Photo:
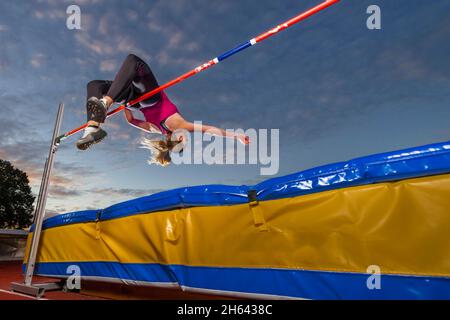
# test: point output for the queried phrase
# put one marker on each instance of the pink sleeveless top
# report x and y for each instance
(159, 112)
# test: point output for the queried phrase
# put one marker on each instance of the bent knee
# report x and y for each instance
(132, 57)
(94, 84)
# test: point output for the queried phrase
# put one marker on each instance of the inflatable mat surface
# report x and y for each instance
(376, 227)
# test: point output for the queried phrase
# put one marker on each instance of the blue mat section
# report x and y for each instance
(409, 163)
(69, 218)
(281, 282)
(212, 195)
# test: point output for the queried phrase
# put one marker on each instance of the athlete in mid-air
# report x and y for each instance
(161, 116)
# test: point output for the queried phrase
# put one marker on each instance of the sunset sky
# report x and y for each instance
(335, 89)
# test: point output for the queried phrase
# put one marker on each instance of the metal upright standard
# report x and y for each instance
(27, 286)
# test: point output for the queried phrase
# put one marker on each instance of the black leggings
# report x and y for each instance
(133, 80)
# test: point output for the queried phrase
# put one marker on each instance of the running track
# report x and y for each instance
(11, 272)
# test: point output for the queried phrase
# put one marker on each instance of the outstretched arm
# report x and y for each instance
(189, 126)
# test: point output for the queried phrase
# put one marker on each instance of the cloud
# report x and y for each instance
(103, 25)
(29, 156)
(123, 192)
(52, 14)
(39, 14)
(37, 60)
(132, 15)
(63, 192)
(404, 65)
(175, 40)
(108, 65)
(126, 44)
(95, 46)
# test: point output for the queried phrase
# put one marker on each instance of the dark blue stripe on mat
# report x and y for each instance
(291, 283)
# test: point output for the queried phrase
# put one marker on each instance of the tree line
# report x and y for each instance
(16, 198)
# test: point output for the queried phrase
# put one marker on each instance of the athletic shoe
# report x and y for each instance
(96, 110)
(91, 138)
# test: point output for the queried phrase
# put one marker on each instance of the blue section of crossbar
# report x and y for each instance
(239, 48)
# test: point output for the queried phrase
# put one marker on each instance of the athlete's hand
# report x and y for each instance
(243, 139)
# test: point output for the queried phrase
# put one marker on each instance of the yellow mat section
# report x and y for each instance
(403, 227)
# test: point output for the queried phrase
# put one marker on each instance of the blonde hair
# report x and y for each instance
(160, 150)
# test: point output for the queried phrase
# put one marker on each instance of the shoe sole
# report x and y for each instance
(97, 113)
(87, 145)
